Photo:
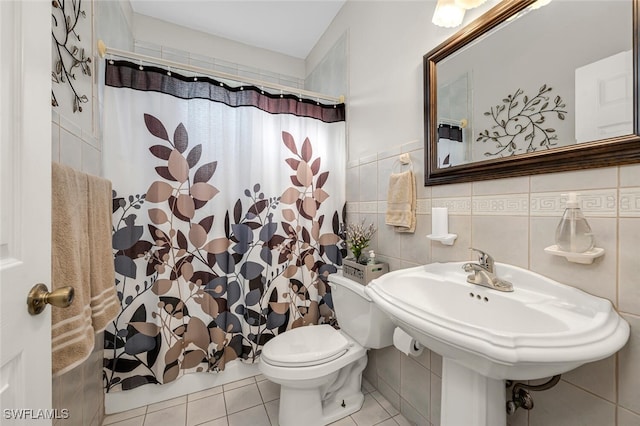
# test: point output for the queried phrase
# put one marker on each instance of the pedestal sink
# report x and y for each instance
(541, 329)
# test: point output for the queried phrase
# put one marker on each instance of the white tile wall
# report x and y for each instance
(70, 149)
(630, 175)
(568, 405)
(514, 219)
(415, 386)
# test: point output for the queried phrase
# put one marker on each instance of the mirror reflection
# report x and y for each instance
(548, 78)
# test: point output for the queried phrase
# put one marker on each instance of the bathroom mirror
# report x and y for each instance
(532, 88)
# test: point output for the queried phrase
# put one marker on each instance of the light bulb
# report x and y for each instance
(469, 4)
(539, 4)
(447, 14)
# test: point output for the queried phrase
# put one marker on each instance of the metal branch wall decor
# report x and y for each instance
(69, 58)
(520, 123)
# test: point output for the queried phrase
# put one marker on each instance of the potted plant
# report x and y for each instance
(358, 238)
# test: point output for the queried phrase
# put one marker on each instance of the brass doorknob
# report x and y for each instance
(39, 296)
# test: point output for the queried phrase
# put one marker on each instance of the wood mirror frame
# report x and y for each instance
(600, 153)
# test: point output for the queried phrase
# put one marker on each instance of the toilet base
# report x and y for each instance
(335, 411)
(292, 413)
(319, 406)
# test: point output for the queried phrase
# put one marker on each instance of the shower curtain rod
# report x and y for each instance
(103, 50)
(462, 123)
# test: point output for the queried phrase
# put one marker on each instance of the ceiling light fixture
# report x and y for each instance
(448, 14)
(539, 4)
(469, 4)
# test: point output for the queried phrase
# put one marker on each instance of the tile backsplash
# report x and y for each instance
(514, 219)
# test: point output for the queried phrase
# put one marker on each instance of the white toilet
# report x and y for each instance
(319, 369)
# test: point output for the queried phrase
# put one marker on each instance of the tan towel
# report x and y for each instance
(82, 258)
(401, 202)
(105, 305)
(72, 336)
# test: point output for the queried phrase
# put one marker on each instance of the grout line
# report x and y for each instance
(591, 392)
(224, 399)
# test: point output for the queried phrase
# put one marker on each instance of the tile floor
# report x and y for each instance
(249, 402)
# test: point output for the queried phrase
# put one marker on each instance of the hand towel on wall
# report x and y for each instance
(105, 305)
(72, 336)
(401, 202)
(82, 258)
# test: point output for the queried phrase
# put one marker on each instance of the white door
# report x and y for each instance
(25, 209)
(604, 98)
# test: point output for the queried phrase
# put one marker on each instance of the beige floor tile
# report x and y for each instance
(253, 401)
(346, 421)
(174, 416)
(371, 413)
(166, 404)
(202, 394)
(135, 421)
(222, 421)
(269, 390)
(242, 398)
(384, 402)
(118, 417)
(401, 420)
(273, 410)
(256, 416)
(239, 383)
(388, 422)
(205, 409)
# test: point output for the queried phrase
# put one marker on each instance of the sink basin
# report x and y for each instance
(541, 329)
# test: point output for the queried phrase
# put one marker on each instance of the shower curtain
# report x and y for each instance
(227, 213)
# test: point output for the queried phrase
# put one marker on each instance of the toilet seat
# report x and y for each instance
(305, 346)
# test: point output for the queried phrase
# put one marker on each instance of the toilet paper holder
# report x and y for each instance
(405, 343)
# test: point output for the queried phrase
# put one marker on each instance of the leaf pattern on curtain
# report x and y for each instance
(198, 291)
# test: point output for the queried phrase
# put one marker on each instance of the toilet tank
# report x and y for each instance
(357, 315)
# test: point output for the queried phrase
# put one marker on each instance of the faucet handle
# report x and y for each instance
(484, 258)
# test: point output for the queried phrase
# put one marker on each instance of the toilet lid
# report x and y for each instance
(305, 346)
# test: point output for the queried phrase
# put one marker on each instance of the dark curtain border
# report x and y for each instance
(446, 131)
(153, 79)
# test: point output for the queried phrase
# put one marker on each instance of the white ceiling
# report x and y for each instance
(289, 27)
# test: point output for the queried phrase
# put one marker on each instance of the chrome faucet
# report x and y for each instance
(484, 273)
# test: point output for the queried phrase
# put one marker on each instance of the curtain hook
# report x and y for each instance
(140, 67)
(110, 59)
(281, 93)
(169, 71)
(262, 90)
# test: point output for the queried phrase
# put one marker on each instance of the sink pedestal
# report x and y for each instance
(471, 399)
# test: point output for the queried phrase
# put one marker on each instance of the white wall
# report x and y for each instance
(157, 32)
